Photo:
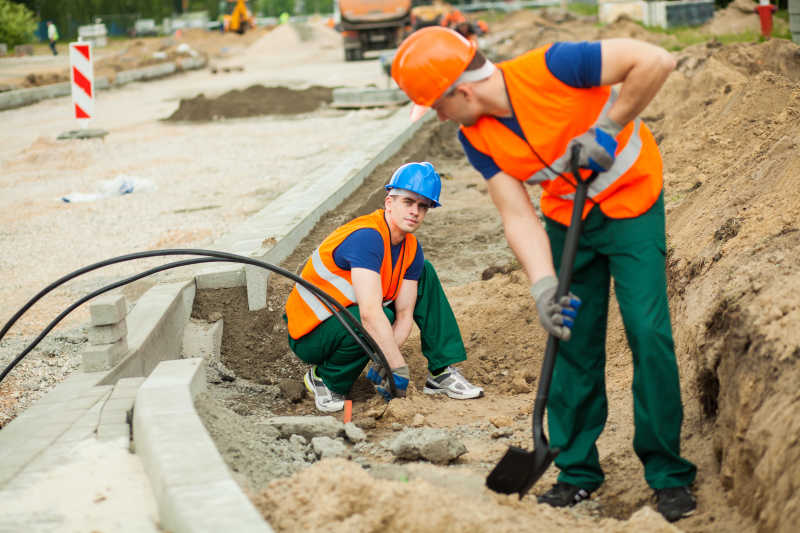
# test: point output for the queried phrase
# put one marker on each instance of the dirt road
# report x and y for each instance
(727, 125)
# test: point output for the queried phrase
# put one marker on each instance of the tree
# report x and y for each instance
(16, 23)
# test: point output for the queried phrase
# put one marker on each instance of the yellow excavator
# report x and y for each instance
(238, 17)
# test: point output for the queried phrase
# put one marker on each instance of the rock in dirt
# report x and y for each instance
(435, 445)
(354, 433)
(327, 448)
(306, 426)
(292, 390)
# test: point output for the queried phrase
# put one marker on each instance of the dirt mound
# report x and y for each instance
(728, 124)
(420, 499)
(253, 101)
(740, 16)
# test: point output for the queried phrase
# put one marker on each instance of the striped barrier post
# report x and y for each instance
(82, 80)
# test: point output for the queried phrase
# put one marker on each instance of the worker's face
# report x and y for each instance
(406, 212)
(459, 106)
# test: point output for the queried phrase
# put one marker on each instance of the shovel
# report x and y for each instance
(519, 469)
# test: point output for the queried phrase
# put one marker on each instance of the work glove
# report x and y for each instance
(556, 317)
(598, 146)
(377, 375)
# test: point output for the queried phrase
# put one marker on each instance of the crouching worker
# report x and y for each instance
(374, 266)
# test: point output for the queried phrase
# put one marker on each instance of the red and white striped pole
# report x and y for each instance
(82, 78)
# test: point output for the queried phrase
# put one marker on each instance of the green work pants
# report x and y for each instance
(633, 252)
(340, 359)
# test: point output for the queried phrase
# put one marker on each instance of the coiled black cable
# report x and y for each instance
(354, 327)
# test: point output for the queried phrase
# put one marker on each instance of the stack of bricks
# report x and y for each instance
(107, 333)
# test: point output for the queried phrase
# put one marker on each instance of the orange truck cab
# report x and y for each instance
(372, 25)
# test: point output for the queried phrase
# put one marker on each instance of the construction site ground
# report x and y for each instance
(728, 125)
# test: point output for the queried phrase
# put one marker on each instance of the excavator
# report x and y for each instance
(238, 17)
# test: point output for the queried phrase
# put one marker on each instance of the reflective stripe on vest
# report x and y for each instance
(304, 311)
(551, 114)
(319, 309)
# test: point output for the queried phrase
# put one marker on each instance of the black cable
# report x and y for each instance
(88, 297)
(541, 159)
(365, 341)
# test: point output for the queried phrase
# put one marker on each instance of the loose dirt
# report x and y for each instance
(252, 102)
(727, 124)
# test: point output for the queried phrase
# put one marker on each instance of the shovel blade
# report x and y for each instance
(519, 469)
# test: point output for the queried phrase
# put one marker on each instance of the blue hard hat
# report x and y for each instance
(420, 178)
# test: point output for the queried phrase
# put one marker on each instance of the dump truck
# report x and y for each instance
(372, 25)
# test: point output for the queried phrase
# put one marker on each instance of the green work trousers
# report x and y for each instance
(633, 252)
(340, 359)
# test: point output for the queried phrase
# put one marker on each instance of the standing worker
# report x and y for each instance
(52, 36)
(519, 122)
(374, 266)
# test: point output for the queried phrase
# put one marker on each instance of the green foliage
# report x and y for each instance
(318, 6)
(273, 8)
(17, 23)
(580, 8)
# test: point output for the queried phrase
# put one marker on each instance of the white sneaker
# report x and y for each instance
(326, 400)
(452, 383)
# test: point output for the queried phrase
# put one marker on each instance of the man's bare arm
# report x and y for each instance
(524, 231)
(404, 310)
(641, 68)
(369, 296)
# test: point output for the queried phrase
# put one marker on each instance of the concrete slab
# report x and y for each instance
(156, 325)
(108, 333)
(97, 486)
(190, 481)
(107, 309)
(356, 98)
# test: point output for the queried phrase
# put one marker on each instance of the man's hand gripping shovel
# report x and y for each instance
(519, 469)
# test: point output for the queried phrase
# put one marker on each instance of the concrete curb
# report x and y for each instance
(23, 97)
(192, 485)
(156, 325)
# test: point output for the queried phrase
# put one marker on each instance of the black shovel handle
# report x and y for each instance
(564, 279)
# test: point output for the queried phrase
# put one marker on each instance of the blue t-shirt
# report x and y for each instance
(576, 64)
(364, 249)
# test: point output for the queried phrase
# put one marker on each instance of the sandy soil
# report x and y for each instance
(727, 125)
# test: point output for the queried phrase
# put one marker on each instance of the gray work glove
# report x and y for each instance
(401, 375)
(556, 317)
(598, 146)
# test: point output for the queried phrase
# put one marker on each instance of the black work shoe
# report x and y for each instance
(675, 503)
(563, 495)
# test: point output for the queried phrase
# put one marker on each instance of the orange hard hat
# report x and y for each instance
(429, 61)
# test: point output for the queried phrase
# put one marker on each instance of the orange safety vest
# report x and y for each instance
(304, 311)
(551, 114)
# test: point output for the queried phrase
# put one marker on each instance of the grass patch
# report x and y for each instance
(579, 8)
(687, 36)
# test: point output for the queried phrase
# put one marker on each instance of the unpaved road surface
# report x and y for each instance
(728, 124)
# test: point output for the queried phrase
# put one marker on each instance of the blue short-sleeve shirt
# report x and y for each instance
(364, 249)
